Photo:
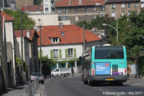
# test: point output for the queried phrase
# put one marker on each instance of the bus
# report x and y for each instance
(104, 64)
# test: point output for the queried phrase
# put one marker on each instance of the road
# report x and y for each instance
(75, 87)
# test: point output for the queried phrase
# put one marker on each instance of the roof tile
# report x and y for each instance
(68, 3)
(18, 33)
(72, 34)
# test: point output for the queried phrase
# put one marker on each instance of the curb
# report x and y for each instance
(40, 91)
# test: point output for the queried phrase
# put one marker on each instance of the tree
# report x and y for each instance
(98, 23)
(47, 64)
(27, 23)
(38, 2)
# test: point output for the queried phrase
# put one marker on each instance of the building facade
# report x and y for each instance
(79, 10)
(48, 6)
(9, 63)
(65, 42)
(118, 8)
(23, 3)
(30, 49)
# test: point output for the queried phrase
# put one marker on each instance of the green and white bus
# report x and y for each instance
(104, 64)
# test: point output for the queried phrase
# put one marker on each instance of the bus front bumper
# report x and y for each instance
(121, 78)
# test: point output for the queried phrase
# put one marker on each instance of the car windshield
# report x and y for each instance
(37, 74)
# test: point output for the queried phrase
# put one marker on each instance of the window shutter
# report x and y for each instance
(75, 53)
(51, 54)
(66, 53)
(60, 54)
(40, 53)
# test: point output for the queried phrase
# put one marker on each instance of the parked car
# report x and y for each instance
(37, 75)
(60, 72)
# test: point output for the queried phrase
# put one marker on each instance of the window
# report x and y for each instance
(101, 15)
(55, 40)
(113, 6)
(129, 12)
(55, 53)
(66, 11)
(46, 9)
(94, 8)
(109, 53)
(123, 13)
(70, 52)
(76, 18)
(136, 5)
(76, 10)
(123, 5)
(59, 10)
(86, 9)
(129, 5)
(101, 8)
(113, 14)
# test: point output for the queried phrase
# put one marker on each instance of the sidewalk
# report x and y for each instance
(18, 91)
(136, 82)
(24, 90)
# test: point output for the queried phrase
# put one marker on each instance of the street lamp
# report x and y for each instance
(116, 29)
(40, 24)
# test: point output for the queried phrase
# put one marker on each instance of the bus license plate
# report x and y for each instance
(109, 79)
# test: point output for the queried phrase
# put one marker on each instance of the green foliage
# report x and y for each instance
(140, 62)
(98, 23)
(19, 62)
(47, 64)
(130, 32)
(39, 2)
(27, 23)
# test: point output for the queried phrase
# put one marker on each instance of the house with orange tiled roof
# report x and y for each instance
(8, 65)
(30, 49)
(65, 42)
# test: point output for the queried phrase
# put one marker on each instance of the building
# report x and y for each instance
(30, 49)
(46, 19)
(79, 10)
(65, 42)
(117, 8)
(37, 13)
(48, 6)
(23, 3)
(8, 37)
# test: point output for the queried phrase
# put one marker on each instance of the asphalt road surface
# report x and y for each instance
(75, 87)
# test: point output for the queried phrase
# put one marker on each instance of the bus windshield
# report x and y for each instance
(109, 52)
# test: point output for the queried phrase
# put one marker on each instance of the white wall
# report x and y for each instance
(47, 19)
(25, 49)
(47, 4)
(46, 50)
(66, 22)
(142, 3)
(10, 38)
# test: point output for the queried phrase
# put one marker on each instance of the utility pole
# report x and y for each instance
(21, 42)
(1, 35)
(83, 38)
(40, 24)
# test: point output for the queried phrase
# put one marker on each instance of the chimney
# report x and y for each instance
(80, 2)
